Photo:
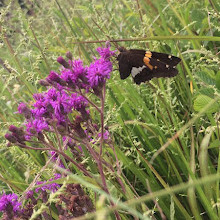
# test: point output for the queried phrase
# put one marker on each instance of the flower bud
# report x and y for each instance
(61, 129)
(63, 62)
(13, 128)
(11, 138)
(43, 82)
(40, 136)
(24, 110)
(54, 77)
(69, 55)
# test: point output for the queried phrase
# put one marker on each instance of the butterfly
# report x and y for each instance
(144, 65)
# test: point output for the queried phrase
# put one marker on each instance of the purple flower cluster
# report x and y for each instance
(52, 108)
(53, 187)
(11, 207)
(98, 72)
(9, 201)
(75, 75)
(59, 120)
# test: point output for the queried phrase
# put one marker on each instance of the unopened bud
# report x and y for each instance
(40, 136)
(43, 82)
(54, 77)
(11, 138)
(69, 55)
(61, 129)
(24, 110)
(63, 62)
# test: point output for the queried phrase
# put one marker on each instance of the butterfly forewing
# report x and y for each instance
(124, 65)
(166, 58)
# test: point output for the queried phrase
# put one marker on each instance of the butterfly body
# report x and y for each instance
(145, 65)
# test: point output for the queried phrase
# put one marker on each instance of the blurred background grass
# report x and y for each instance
(141, 118)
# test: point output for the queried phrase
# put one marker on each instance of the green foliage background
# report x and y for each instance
(165, 132)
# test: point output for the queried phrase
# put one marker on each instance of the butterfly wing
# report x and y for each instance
(124, 65)
(166, 58)
(145, 65)
(152, 65)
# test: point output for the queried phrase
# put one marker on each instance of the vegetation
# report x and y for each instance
(162, 160)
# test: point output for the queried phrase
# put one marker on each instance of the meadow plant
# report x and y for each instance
(59, 121)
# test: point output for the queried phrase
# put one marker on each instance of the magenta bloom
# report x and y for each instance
(76, 75)
(24, 110)
(78, 102)
(52, 104)
(98, 72)
(36, 126)
(106, 135)
(53, 187)
(105, 52)
(9, 200)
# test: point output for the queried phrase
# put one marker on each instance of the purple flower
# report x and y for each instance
(62, 104)
(105, 135)
(52, 104)
(57, 176)
(36, 126)
(54, 77)
(98, 72)
(105, 52)
(24, 110)
(53, 187)
(78, 102)
(63, 62)
(76, 75)
(9, 200)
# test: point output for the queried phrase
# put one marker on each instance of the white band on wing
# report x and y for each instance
(136, 70)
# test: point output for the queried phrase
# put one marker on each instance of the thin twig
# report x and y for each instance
(102, 120)
(155, 201)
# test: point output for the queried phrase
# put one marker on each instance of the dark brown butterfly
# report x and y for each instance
(144, 65)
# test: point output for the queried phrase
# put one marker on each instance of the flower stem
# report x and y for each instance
(102, 119)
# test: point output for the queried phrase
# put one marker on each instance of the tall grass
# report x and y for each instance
(165, 132)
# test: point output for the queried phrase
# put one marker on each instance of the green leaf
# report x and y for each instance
(206, 77)
(214, 144)
(207, 92)
(202, 100)
(217, 80)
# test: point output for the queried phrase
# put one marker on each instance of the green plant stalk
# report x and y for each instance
(173, 37)
(169, 191)
(203, 162)
(191, 191)
(39, 47)
(13, 54)
(163, 183)
(178, 133)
